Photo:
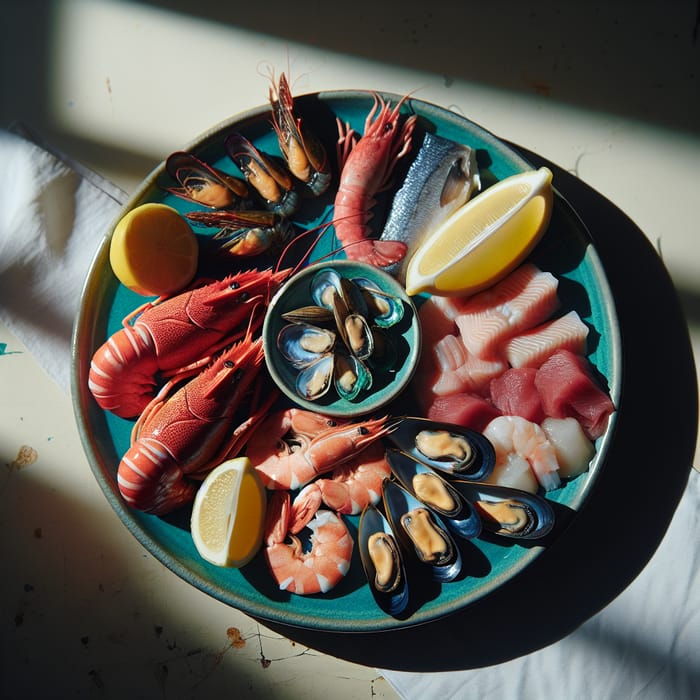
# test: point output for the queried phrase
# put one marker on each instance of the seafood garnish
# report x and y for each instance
(422, 531)
(509, 512)
(446, 447)
(305, 155)
(441, 178)
(382, 561)
(244, 233)
(203, 184)
(270, 179)
(435, 492)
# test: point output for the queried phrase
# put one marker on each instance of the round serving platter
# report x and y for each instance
(565, 250)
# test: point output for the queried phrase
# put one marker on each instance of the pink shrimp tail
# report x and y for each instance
(377, 253)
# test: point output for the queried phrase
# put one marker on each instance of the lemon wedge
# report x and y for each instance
(229, 513)
(485, 239)
(153, 250)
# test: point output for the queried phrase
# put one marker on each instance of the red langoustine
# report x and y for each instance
(190, 431)
(174, 336)
(366, 166)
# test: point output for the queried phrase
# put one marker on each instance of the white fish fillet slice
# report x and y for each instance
(521, 301)
(531, 349)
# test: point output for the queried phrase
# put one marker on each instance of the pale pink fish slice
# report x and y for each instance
(521, 301)
(460, 371)
(531, 349)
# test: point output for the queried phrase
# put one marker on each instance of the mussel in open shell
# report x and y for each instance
(385, 309)
(422, 531)
(382, 561)
(446, 447)
(302, 344)
(314, 380)
(437, 493)
(350, 376)
(509, 512)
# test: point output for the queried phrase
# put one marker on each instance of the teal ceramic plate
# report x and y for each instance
(565, 250)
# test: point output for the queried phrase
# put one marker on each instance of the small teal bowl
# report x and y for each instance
(386, 384)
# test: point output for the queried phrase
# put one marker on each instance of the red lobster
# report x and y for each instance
(366, 166)
(174, 336)
(188, 432)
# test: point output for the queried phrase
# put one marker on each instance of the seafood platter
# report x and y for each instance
(415, 436)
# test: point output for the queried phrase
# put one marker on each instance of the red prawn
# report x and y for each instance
(365, 169)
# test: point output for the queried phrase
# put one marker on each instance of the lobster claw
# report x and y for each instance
(203, 184)
(272, 181)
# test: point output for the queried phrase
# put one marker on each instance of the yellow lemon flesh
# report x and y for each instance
(153, 250)
(485, 239)
(229, 513)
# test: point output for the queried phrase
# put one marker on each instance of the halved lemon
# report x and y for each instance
(228, 514)
(485, 239)
(153, 250)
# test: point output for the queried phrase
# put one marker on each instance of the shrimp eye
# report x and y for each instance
(362, 430)
(228, 364)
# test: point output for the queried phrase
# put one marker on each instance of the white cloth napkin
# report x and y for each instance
(53, 215)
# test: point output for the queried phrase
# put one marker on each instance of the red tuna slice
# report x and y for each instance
(468, 410)
(567, 388)
(519, 302)
(514, 394)
(531, 349)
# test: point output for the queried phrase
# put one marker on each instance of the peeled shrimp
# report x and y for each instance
(292, 447)
(525, 458)
(353, 485)
(297, 571)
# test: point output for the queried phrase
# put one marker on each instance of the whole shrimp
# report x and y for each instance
(297, 571)
(352, 486)
(293, 446)
(188, 432)
(305, 155)
(366, 167)
(174, 336)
